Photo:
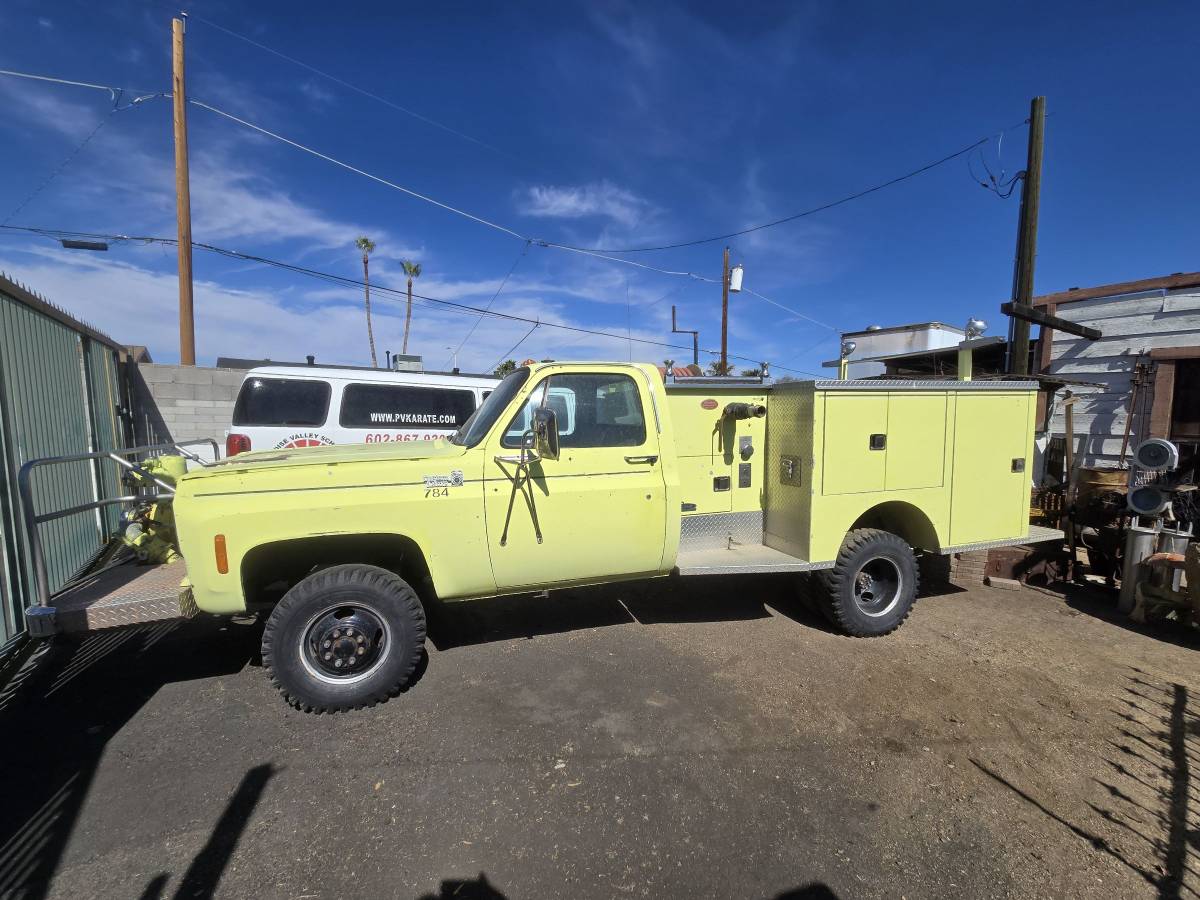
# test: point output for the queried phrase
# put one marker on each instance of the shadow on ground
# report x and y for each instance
(1100, 602)
(61, 708)
(661, 600)
(481, 889)
(1148, 792)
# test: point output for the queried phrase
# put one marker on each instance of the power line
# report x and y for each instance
(503, 282)
(349, 86)
(58, 170)
(116, 108)
(356, 170)
(513, 349)
(115, 91)
(356, 283)
(599, 253)
(800, 215)
(794, 312)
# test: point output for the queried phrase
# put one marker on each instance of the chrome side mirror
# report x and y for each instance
(545, 433)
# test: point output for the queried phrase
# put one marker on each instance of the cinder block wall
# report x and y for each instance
(179, 403)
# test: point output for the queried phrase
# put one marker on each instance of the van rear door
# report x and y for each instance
(283, 412)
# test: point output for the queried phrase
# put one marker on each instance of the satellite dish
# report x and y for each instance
(1148, 500)
(1156, 455)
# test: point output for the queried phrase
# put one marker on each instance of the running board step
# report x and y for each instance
(127, 594)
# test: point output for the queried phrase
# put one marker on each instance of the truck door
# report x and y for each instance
(600, 508)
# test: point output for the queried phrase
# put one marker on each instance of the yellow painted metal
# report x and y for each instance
(966, 363)
(709, 447)
(991, 491)
(916, 434)
(851, 466)
(601, 511)
(945, 476)
(989, 500)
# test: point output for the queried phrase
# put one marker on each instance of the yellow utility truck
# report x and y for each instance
(582, 473)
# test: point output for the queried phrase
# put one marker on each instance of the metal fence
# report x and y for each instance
(61, 392)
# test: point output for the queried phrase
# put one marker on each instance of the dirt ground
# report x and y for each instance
(704, 738)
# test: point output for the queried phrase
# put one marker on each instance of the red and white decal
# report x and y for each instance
(303, 439)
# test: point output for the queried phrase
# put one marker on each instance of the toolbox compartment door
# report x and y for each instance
(849, 464)
(916, 441)
(992, 443)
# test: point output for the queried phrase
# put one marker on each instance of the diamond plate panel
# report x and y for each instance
(788, 486)
(884, 384)
(125, 595)
(743, 559)
(716, 531)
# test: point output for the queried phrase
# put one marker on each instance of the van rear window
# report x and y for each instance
(375, 405)
(281, 401)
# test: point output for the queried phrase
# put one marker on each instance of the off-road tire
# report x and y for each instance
(865, 547)
(386, 596)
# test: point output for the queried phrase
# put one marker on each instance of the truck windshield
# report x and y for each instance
(475, 429)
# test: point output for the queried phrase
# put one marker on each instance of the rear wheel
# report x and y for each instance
(872, 585)
(346, 637)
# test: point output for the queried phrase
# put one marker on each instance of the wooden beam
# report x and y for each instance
(1033, 314)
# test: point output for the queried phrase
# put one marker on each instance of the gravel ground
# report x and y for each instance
(703, 738)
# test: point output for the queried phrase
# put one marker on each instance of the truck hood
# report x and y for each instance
(335, 454)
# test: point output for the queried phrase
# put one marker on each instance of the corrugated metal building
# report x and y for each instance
(61, 392)
(1151, 326)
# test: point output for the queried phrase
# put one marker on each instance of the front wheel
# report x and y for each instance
(872, 585)
(345, 637)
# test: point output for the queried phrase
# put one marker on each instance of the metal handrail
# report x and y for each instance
(33, 520)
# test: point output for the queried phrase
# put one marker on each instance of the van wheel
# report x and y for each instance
(872, 585)
(346, 637)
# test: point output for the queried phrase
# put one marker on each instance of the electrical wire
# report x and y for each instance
(349, 86)
(58, 170)
(800, 215)
(115, 91)
(355, 169)
(794, 312)
(584, 251)
(116, 108)
(400, 293)
(513, 349)
(503, 282)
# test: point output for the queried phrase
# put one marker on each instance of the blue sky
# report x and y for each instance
(596, 124)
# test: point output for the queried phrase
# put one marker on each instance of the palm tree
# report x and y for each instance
(412, 270)
(366, 245)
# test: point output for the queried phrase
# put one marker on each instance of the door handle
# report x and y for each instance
(634, 460)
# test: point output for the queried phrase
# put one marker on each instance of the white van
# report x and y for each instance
(308, 406)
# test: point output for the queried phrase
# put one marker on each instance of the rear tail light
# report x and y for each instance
(237, 443)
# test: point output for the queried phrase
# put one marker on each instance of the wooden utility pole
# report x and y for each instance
(1031, 190)
(725, 315)
(183, 199)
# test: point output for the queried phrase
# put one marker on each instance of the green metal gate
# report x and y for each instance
(60, 393)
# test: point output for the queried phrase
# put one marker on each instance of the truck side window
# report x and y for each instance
(601, 410)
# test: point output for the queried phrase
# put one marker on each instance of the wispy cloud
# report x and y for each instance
(124, 299)
(600, 199)
(318, 95)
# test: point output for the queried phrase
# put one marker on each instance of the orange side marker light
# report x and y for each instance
(221, 553)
